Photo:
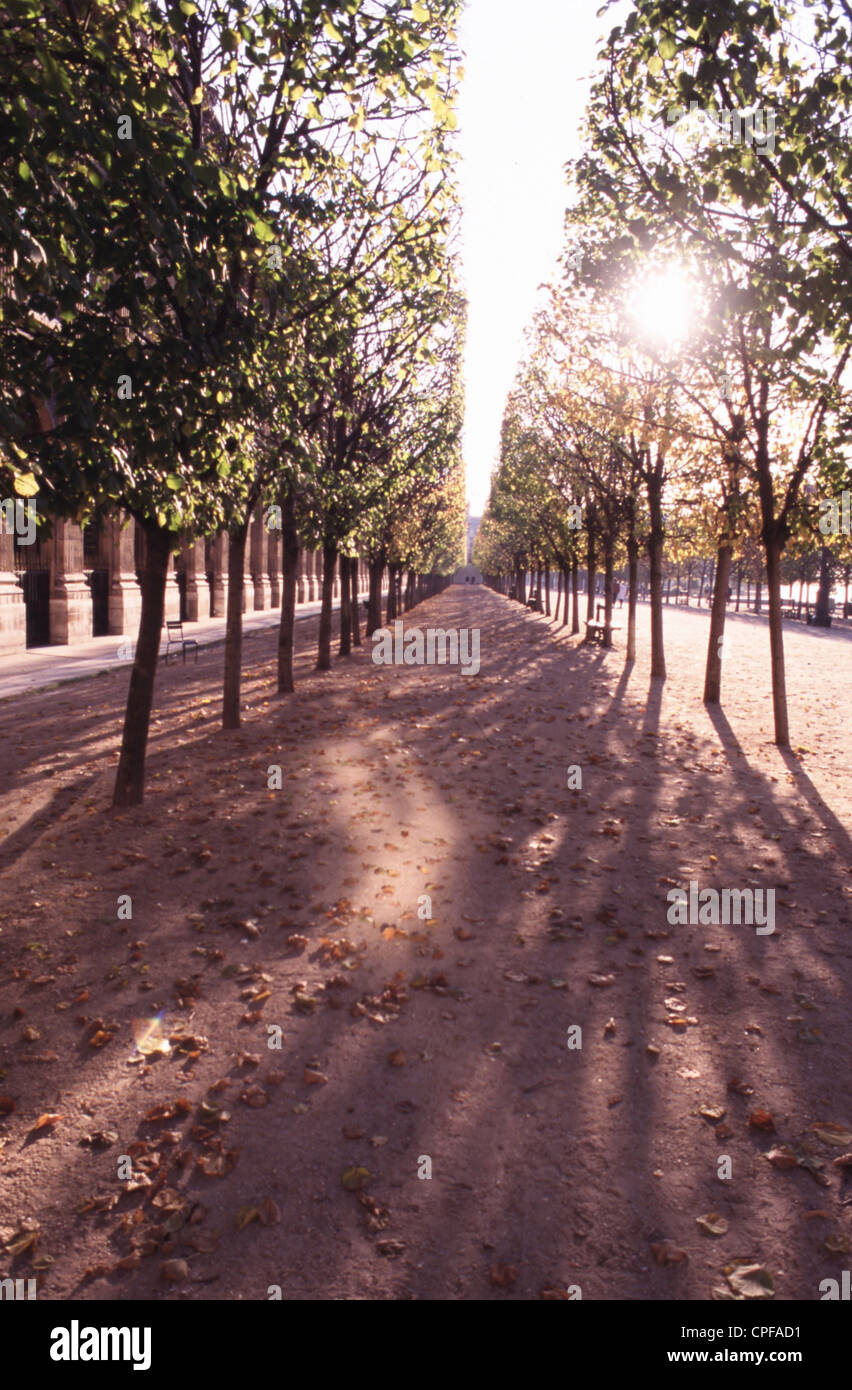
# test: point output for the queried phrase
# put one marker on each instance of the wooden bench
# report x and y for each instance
(595, 631)
(175, 638)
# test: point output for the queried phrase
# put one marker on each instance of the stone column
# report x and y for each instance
(70, 595)
(311, 576)
(125, 596)
(13, 612)
(273, 546)
(259, 561)
(172, 610)
(248, 586)
(192, 557)
(219, 597)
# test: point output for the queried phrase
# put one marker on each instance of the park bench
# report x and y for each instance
(595, 630)
(175, 639)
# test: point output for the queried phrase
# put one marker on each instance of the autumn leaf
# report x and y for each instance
(833, 1134)
(762, 1119)
(148, 1037)
(254, 1096)
(782, 1157)
(750, 1281)
(667, 1254)
(44, 1121)
(712, 1224)
(504, 1275)
(353, 1179)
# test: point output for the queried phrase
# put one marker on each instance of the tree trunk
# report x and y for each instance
(713, 669)
(547, 590)
(234, 628)
(345, 607)
(129, 787)
(591, 572)
(393, 600)
(356, 617)
(575, 597)
(822, 617)
(608, 573)
(758, 594)
(374, 601)
(774, 549)
(656, 541)
(632, 582)
(329, 563)
(290, 566)
(563, 586)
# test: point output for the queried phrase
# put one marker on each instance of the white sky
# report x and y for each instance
(526, 69)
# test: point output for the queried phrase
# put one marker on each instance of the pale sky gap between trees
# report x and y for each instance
(527, 70)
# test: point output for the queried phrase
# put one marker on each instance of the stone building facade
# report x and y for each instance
(83, 582)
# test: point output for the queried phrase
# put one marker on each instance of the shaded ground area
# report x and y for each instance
(405, 1040)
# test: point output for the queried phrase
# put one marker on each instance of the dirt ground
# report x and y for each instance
(264, 915)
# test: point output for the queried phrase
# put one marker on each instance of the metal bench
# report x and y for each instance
(175, 639)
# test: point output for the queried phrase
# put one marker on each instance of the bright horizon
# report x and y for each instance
(522, 99)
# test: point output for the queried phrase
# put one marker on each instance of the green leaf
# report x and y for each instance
(173, 482)
(655, 64)
(24, 170)
(668, 47)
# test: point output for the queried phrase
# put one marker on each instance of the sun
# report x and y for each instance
(661, 306)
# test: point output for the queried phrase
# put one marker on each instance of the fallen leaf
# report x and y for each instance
(750, 1281)
(148, 1037)
(314, 1078)
(44, 1121)
(7, 1105)
(255, 1096)
(762, 1119)
(601, 981)
(174, 1271)
(353, 1179)
(712, 1224)
(398, 1058)
(504, 1275)
(219, 1164)
(169, 1110)
(667, 1254)
(782, 1156)
(833, 1134)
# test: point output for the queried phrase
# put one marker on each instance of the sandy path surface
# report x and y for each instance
(264, 915)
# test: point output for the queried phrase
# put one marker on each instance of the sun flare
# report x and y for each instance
(661, 306)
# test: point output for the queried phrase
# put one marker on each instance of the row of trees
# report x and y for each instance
(628, 433)
(230, 281)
